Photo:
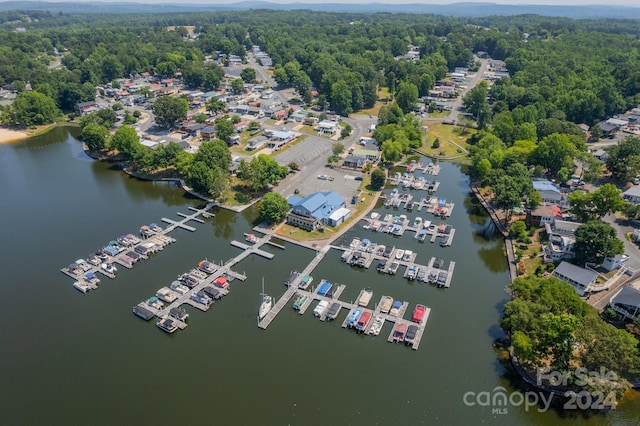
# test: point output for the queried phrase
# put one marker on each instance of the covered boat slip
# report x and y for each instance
(128, 249)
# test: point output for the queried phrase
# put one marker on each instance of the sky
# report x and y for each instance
(523, 2)
(634, 3)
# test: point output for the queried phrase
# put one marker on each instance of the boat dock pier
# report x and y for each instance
(293, 288)
(152, 239)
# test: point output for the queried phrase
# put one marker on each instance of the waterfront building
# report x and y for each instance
(317, 210)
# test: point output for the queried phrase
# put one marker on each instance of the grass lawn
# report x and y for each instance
(439, 114)
(383, 99)
(445, 133)
(235, 194)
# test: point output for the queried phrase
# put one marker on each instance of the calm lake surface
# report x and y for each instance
(69, 358)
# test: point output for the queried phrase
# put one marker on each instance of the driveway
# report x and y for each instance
(631, 249)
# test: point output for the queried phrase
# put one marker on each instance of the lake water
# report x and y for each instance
(69, 358)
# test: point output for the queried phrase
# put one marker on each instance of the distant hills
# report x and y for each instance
(455, 9)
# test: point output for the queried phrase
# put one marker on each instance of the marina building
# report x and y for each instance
(317, 210)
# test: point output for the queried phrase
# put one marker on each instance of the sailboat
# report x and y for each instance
(266, 305)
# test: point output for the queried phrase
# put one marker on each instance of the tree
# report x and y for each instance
(237, 85)
(624, 159)
(554, 152)
(167, 110)
(390, 114)
(106, 117)
(224, 128)
(476, 99)
(507, 194)
(407, 96)
(378, 178)
(337, 148)
(126, 141)
(31, 108)
(597, 204)
(346, 131)
(215, 154)
(341, 98)
(596, 240)
(595, 133)
(391, 151)
(261, 172)
(248, 75)
(95, 136)
(273, 208)
(215, 106)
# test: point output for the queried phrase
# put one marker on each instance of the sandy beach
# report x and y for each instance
(7, 135)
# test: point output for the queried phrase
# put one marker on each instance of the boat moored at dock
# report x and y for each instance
(166, 295)
(365, 297)
(143, 312)
(320, 308)
(354, 316)
(167, 324)
(363, 321)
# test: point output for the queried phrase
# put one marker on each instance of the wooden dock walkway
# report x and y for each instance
(174, 224)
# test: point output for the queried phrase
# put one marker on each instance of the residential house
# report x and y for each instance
(580, 278)
(561, 240)
(278, 138)
(208, 133)
(327, 126)
(614, 262)
(370, 155)
(317, 210)
(549, 191)
(632, 195)
(608, 129)
(257, 143)
(354, 161)
(627, 302)
(84, 108)
(542, 215)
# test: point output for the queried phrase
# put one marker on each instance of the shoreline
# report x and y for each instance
(11, 136)
(8, 135)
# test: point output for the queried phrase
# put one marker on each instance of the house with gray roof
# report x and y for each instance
(580, 278)
(549, 191)
(632, 195)
(561, 240)
(627, 302)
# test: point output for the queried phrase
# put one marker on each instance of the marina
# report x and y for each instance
(332, 306)
(128, 249)
(392, 258)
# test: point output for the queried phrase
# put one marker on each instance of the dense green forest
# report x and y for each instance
(563, 72)
(562, 68)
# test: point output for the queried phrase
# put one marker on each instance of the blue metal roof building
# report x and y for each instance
(314, 211)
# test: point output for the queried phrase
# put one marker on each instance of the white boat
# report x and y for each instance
(166, 295)
(426, 224)
(407, 255)
(108, 267)
(376, 327)
(82, 286)
(375, 215)
(266, 305)
(179, 288)
(399, 254)
(320, 308)
(417, 223)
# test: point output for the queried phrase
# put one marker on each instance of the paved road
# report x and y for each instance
(456, 108)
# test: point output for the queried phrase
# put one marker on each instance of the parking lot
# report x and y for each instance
(311, 154)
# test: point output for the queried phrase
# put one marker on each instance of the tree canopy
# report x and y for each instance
(547, 321)
(596, 240)
(168, 109)
(273, 208)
